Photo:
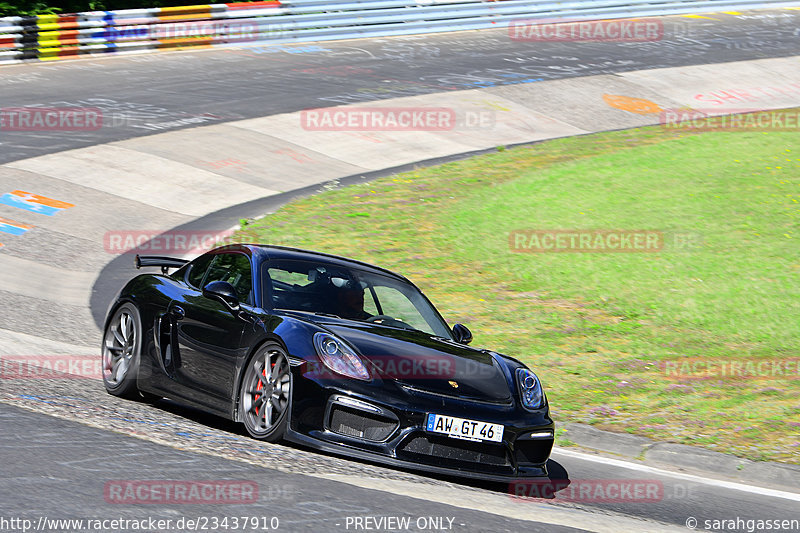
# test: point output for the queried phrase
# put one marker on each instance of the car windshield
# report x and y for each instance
(350, 293)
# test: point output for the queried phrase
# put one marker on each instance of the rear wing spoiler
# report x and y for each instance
(158, 261)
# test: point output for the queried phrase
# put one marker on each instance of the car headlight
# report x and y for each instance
(530, 389)
(339, 357)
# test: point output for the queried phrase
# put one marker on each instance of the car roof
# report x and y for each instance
(268, 251)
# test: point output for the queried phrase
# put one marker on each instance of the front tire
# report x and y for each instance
(122, 348)
(265, 393)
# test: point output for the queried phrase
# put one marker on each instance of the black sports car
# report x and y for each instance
(327, 352)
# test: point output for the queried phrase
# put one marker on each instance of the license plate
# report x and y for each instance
(462, 428)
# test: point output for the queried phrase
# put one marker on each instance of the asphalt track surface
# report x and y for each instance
(145, 94)
(77, 480)
(55, 465)
(71, 464)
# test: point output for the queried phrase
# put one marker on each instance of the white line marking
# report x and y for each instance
(680, 475)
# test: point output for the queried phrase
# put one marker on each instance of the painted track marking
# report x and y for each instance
(732, 485)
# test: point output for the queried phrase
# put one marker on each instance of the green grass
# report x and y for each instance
(598, 327)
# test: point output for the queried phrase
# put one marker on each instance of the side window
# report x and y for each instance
(235, 269)
(197, 270)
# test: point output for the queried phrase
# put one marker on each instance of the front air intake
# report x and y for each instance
(360, 424)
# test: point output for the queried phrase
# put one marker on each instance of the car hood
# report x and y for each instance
(425, 362)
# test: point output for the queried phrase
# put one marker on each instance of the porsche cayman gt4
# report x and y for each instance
(327, 352)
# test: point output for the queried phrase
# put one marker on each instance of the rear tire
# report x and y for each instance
(265, 393)
(122, 348)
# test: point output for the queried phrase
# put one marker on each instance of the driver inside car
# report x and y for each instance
(351, 303)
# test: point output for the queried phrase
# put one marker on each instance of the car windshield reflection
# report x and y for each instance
(351, 294)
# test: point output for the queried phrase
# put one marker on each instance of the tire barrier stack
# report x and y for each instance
(53, 37)
(50, 37)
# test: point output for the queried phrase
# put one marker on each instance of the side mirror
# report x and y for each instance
(224, 292)
(462, 334)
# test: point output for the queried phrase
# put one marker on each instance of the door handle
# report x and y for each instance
(177, 312)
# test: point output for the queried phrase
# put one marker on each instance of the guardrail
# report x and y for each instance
(52, 37)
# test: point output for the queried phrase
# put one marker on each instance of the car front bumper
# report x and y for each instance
(387, 424)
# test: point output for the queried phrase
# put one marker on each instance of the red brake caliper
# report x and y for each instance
(260, 386)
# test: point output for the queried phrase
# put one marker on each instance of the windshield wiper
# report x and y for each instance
(330, 315)
(315, 313)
